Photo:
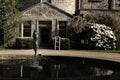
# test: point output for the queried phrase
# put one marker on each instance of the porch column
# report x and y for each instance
(37, 29)
(21, 29)
(37, 26)
(57, 27)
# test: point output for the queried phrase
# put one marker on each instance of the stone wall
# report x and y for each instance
(44, 12)
(103, 4)
(66, 5)
(114, 13)
(85, 4)
(117, 4)
(28, 3)
(71, 5)
(101, 7)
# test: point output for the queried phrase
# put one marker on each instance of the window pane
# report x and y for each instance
(62, 24)
(27, 29)
(62, 28)
(49, 1)
(62, 33)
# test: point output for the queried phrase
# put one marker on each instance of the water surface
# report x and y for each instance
(61, 68)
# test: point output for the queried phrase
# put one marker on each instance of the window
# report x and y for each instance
(62, 28)
(27, 29)
(119, 5)
(110, 4)
(94, 0)
(49, 1)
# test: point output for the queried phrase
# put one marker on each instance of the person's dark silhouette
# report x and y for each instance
(35, 41)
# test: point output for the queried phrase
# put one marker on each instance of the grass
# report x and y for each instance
(2, 47)
(107, 51)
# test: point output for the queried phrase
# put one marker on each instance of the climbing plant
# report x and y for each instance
(8, 21)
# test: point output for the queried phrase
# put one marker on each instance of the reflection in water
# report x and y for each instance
(63, 68)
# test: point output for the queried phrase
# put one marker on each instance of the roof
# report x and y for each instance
(51, 6)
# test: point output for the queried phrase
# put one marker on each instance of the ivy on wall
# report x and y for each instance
(8, 17)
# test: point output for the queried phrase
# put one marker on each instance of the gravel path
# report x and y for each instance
(71, 53)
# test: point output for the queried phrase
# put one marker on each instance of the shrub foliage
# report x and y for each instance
(77, 27)
(24, 43)
(65, 43)
(106, 19)
(118, 41)
(8, 11)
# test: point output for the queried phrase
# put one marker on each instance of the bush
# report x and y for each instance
(100, 37)
(65, 43)
(118, 41)
(76, 30)
(24, 43)
(106, 19)
(2, 47)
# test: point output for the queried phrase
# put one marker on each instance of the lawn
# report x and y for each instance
(107, 51)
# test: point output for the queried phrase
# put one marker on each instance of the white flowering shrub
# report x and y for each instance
(100, 36)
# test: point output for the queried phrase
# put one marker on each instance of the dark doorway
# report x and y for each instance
(45, 34)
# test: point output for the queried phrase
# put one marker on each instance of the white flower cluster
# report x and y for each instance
(102, 36)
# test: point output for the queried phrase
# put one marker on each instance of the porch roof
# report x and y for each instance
(44, 10)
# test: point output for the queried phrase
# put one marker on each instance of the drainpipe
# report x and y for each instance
(114, 3)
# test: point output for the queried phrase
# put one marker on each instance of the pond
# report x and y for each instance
(61, 68)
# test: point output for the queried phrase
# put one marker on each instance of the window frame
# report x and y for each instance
(27, 27)
(63, 29)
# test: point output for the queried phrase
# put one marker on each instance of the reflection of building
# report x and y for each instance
(47, 15)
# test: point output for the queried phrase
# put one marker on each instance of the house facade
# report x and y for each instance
(49, 17)
(47, 20)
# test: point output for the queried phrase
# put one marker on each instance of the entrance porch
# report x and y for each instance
(44, 33)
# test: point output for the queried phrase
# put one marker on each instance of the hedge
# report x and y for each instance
(24, 43)
(65, 43)
(27, 43)
(118, 41)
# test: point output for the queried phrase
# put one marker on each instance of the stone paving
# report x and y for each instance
(69, 53)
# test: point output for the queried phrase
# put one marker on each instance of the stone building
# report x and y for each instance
(100, 6)
(47, 19)
(49, 16)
